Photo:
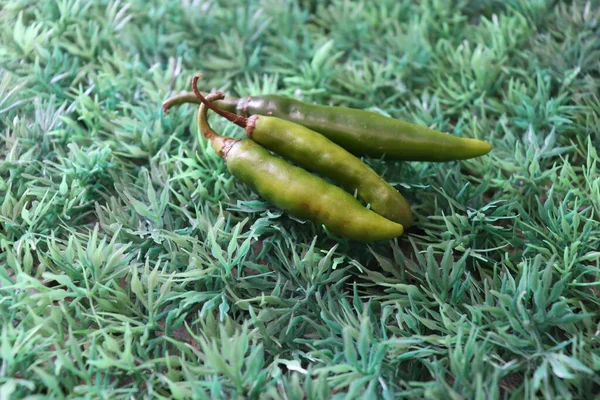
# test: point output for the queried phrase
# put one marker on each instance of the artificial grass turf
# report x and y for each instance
(134, 265)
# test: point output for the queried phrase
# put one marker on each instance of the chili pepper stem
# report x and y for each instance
(221, 144)
(236, 119)
(176, 100)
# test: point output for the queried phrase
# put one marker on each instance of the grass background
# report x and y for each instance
(133, 265)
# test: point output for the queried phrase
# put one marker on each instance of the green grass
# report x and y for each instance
(132, 264)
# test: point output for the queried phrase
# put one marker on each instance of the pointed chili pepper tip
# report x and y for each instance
(478, 147)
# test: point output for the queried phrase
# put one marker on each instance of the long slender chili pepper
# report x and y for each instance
(314, 152)
(296, 190)
(363, 133)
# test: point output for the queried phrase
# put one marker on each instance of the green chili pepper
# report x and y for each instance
(316, 153)
(296, 190)
(361, 132)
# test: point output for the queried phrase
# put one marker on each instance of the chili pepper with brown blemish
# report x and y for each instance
(295, 190)
(361, 132)
(316, 153)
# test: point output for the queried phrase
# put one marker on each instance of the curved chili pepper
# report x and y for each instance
(314, 152)
(361, 132)
(296, 190)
